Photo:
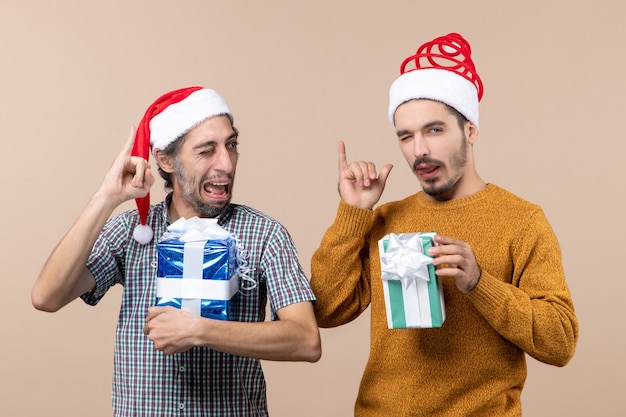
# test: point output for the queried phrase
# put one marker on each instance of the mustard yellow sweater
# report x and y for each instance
(474, 365)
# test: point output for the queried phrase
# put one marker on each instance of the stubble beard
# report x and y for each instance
(190, 194)
(458, 162)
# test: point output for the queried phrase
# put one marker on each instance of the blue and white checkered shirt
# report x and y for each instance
(200, 382)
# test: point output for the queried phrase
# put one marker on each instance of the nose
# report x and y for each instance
(222, 160)
(420, 146)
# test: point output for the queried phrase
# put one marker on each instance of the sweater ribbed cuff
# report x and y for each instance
(488, 293)
(353, 221)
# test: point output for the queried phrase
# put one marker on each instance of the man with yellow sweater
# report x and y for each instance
(497, 256)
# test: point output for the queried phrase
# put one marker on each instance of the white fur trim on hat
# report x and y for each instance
(435, 84)
(179, 118)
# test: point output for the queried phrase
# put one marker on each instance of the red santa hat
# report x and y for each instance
(168, 118)
(440, 70)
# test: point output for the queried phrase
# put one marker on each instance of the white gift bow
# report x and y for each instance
(196, 229)
(402, 261)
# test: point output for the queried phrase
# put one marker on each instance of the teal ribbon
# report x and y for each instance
(433, 288)
(396, 300)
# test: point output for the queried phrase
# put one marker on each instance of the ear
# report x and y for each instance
(471, 132)
(166, 162)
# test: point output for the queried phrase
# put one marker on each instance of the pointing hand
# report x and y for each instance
(360, 185)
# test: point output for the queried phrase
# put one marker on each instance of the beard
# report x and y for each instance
(457, 163)
(190, 194)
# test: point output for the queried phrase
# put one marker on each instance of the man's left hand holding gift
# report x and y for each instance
(174, 330)
(455, 258)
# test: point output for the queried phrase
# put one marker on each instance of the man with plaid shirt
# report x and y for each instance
(168, 361)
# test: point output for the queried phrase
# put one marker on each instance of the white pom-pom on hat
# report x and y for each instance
(168, 118)
(143, 234)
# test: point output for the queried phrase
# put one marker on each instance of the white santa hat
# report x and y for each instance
(443, 71)
(168, 118)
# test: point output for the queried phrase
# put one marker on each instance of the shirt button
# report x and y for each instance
(181, 406)
(181, 368)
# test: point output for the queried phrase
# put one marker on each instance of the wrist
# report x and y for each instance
(105, 200)
(476, 281)
(198, 331)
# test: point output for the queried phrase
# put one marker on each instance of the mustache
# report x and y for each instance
(207, 177)
(426, 160)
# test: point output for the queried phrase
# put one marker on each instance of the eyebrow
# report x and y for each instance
(428, 125)
(234, 135)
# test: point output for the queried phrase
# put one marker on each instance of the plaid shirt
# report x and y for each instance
(200, 382)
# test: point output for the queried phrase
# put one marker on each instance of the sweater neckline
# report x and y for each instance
(421, 199)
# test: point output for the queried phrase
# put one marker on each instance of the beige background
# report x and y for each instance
(300, 76)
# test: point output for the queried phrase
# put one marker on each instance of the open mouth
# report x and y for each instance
(427, 171)
(217, 190)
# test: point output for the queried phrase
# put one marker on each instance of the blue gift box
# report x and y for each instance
(199, 276)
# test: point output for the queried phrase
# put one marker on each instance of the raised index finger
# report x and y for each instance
(130, 142)
(343, 160)
(122, 157)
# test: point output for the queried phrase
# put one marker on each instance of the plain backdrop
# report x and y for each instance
(299, 77)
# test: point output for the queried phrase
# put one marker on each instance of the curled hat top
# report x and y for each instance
(441, 70)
